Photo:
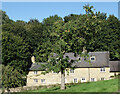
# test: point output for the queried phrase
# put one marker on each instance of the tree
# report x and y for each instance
(5, 18)
(11, 78)
(34, 34)
(64, 40)
(72, 36)
(45, 39)
(71, 17)
(15, 52)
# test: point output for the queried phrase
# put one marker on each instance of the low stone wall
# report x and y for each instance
(26, 88)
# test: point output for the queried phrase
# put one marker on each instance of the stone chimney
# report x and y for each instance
(84, 50)
(33, 59)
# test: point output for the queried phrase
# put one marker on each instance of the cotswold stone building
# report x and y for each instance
(99, 68)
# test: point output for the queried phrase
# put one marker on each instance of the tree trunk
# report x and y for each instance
(8, 90)
(62, 79)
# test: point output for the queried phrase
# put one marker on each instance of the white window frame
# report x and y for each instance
(80, 59)
(42, 81)
(92, 80)
(102, 69)
(35, 72)
(83, 80)
(74, 80)
(71, 70)
(93, 57)
(102, 79)
(35, 80)
(54, 72)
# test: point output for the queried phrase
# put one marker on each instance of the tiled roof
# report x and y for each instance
(101, 60)
(114, 66)
(36, 66)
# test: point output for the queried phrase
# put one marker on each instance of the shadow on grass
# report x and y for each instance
(54, 89)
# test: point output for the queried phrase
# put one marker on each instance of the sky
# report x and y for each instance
(40, 10)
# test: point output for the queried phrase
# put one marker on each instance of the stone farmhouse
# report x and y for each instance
(99, 68)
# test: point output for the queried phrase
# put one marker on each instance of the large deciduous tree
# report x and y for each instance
(15, 52)
(64, 39)
(11, 78)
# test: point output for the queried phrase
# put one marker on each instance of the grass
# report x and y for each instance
(99, 86)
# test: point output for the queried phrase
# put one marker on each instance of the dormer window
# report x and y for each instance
(79, 59)
(92, 58)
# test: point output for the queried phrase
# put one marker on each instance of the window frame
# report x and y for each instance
(72, 71)
(42, 81)
(35, 80)
(102, 79)
(93, 57)
(102, 69)
(74, 80)
(79, 59)
(91, 79)
(35, 72)
(54, 72)
(83, 80)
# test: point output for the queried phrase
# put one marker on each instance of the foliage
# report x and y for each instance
(67, 37)
(15, 52)
(5, 18)
(11, 78)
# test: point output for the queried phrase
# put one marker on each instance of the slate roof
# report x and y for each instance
(114, 66)
(101, 60)
(36, 66)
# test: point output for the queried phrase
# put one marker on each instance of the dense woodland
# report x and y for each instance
(93, 30)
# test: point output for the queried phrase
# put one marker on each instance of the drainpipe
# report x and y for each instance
(89, 74)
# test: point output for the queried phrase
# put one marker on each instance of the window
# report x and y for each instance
(79, 59)
(35, 80)
(102, 69)
(75, 80)
(42, 80)
(102, 78)
(83, 80)
(92, 79)
(35, 72)
(71, 70)
(54, 72)
(92, 58)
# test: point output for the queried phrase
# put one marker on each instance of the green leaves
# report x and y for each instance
(11, 78)
(15, 51)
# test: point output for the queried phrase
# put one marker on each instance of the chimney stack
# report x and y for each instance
(33, 59)
(84, 50)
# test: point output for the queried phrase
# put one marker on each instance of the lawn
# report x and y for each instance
(99, 86)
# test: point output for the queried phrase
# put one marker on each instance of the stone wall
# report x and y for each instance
(26, 88)
(79, 73)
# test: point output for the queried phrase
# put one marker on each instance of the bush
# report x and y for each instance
(11, 78)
